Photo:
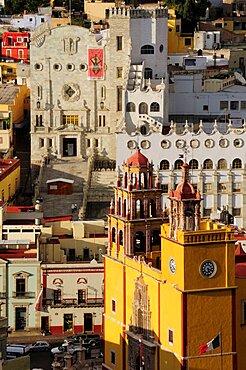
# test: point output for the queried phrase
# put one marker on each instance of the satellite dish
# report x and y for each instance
(240, 78)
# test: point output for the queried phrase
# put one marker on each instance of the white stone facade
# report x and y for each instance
(70, 113)
(74, 291)
(217, 161)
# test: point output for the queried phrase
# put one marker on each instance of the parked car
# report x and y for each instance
(40, 345)
(16, 350)
(58, 350)
(64, 348)
(86, 339)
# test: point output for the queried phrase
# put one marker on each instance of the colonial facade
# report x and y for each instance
(81, 82)
(15, 45)
(215, 153)
(168, 297)
(72, 299)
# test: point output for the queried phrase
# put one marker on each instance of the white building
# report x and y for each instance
(192, 98)
(81, 82)
(30, 21)
(72, 300)
(217, 161)
(209, 40)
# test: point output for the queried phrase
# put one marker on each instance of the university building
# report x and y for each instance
(79, 78)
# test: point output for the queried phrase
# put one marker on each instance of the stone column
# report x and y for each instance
(230, 191)
(215, 191)
(147, 237)
(244, 198)
(68, 361)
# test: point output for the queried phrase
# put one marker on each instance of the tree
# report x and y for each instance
(18, 6)
(190, 10)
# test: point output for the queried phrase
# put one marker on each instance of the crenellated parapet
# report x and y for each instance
(138, 13)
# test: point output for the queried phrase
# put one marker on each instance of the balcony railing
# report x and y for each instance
(91, 302)
(24, 294)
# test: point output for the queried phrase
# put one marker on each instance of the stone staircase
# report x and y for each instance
(100, 194)
(60, 205)
(135, 76)
(102, 185)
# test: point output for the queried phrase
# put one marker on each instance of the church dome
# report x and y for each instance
(138, 159)
(185, 189)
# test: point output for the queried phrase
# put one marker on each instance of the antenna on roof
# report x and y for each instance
(70, 12)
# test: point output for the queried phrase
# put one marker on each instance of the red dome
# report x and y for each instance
(137, 159)
(185, 189)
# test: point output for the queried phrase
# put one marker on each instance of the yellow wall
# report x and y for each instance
(241, 326)
(18, 106)
(12, 179)
(180, 301)
(96, 10)
(176, 41)
(5, 70)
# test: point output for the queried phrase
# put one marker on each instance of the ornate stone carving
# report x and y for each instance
(71, 92)
(140, 308)
(71, 45)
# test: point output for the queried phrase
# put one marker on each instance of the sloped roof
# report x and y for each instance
(137, 159)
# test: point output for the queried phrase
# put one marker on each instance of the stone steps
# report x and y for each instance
(102, 186)
(61, 205)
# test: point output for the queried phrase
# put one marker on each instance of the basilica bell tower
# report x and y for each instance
(135, 213)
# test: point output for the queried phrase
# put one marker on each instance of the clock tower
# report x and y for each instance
(198, 262)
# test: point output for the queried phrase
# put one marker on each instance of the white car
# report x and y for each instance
(65, 347)
(40, 345)
(59, 350)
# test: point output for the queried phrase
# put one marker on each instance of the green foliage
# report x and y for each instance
(190, 10)
(18, 6)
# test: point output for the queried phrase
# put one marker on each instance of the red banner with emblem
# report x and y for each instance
(95, 64)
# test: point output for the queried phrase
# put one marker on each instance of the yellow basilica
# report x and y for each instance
(169, 283)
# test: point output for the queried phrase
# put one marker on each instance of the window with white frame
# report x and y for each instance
(207, 188)
(222, 188)
(236, 212)
(207, 212)
(236, 187)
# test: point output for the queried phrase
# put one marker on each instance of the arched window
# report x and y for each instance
(147, 49)
(119, 206)
(155, 238)
(154, 107)
(193, 164)
(222, 164)
(140, 242)
(124, 208)
(113, 235)
(208, 164)
(121, 237)
(237, 163)
(148, 73)
(143, 108)
(164, 165)
(139, 209)
(130, 107)
(152, 210)
(178, 164)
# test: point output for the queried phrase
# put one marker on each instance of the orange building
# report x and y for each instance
(169, 287)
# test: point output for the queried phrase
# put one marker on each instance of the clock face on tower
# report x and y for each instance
(172, 265)
(208, 268)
